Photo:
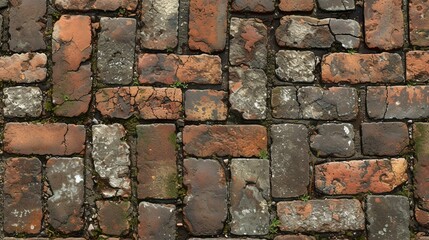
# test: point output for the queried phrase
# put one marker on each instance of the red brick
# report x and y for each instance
(421, 167)
(203, 105)
(113, 217)
(419, 22)
(105, 5)
(294, 6)
(259, 6)
(222, 140)
(208, 25)
(422, 217)
(418, 66)
(42, 139)
(384, 138)
(23, 68)
(360, 176)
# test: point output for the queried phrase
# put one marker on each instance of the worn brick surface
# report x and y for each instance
(336, 140)
(421, 146)
(296, 66)
(293, 6)
(204, 105)
(113, 217)
(157, 221)
(259, 6)
(23, 68)
(422, 217)
(419, 22)
(294, 237)
(418, 66)
(105, 5)
(336, 5)
(22, 102)
(384, 139)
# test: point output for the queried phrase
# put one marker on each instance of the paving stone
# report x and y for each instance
(333, 140)
(105, 5)
(248, 92)
(360, 176)
(398, 102)
(296, 6)
(160, 20)
(224, 140)
(171, 68)
(290, 160)
(116, 44)
(71, 77)
(336, 5)
(259, 6)
(206, 207)
(22, 191)
(294, 237)
(224, 238)
(36, 238)
(113, 217)
(208, 25)
(250, 193)
(45, 139)
(248, 43)
(157, 221)
(419, 22)
(26, 25)
(66, 181)
(346, 31)
(296, 66)
(418, 66)
(422, 217)
(110, 154)
(206, 105)
(156, 161)
(384, 24)
(23, 68)
(384, 138)
(388, 217)
(284, 103)
(22, 102)
(143, 102)
(362, 68)
(421, 167)
(331, 215)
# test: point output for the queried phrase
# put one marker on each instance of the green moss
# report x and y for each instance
(178, 84)
(304, 198)
(131, 125)
(274, 226)
(172, 185)
(172, 139)
(263, 154)
(420, 143)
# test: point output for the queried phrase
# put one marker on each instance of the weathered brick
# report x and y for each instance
(105, 5)
(418, 66)
(259, 6)
(398, 102)
(336, 5)
(205, 208)
(22, 102)
(208, 25)
(248, 44)
(222, 140)
(71, 77)
(388, 217)
(4, 3)
(160, 20)
(294, 237)
(331, 215)
(156, 161)
(362, 68)
(113, 217)
(116, 44)
(170, 68)
(290, 160)
(384, 138)
(250, 193)
(384, 24)
(296, 66)
(66, 181)
(157, 221)
(422, 217)
(284, 103)
(421, 167)
(419, 22)
(204, 105)
(223, 238)
(23, 68)
(296, 6)
(360, 176)
(333, 140)
(144, 102)
(26, 25)
(52, 138)
(22, 196)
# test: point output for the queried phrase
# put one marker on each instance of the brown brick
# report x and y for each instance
(204, 105)
(421, 168)
(295, 6)
(422, 217)
(71, 77)
(54, 139)
(23, 195)
(105, 5)
(360, 176)
(156, 161)
(208, 25)
(418, 66)
(384, 24)
(23, 68)
(362, 68)
(114, 217)
(259, 6)
(221, 140)
(419, 22)
(157, 221)
(294, 237)
(384, 138)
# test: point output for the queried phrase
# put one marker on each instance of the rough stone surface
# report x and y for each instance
(224, 140)
(388, 217)
(290, 160)
(362, 68)
(51, 138)
(156, 161)
(250, 193)
(204, 105)
(333, 140)
(336, 5)
(110, 154)
(384, 24)
(116, 44)
(259, 6)
(296, 6)
(419, 22)
(248, 44)
(248, 92)
(296, 66)
(384, 139)
(418, 66)
(284, 103)
(332, 215)
(22, 102)
(294, 237)
(157, 221)
(66, 181)
(421, 168)
(3, 3)
(422, 217)
(105, 5)
(160, 24)
(360, 176)
(205, 182)
(23, 68)
(113, 217)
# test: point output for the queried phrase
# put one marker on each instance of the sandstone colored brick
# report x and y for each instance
(157, 221)
(206, 105)
(105, 5)
(418, 66)
(362, 68)
(42, 139)
(224, 140)
(296, 6)
(384, 138)
(171, 68)
(208, 25)
(421, 167)
(114, 217)
(360, 176)
(419, 22)
(259, 6)
(23, 68)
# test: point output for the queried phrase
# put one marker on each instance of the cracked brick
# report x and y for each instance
(384, 138)
(419, 22)
(206, 105)
(336, 5)
(23, 68)
(105, 5)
